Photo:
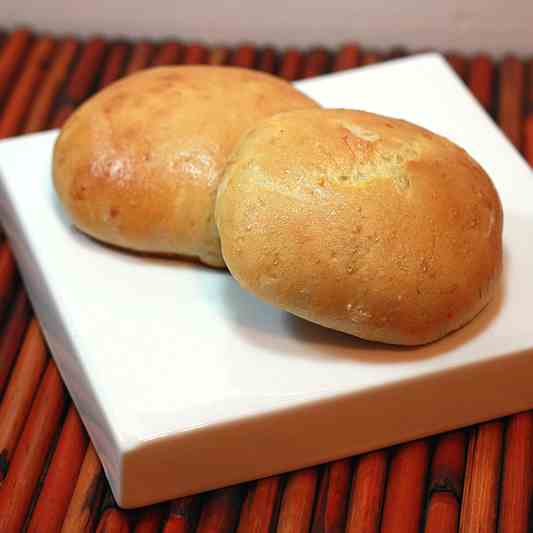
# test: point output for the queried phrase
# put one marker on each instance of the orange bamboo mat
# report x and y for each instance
(474, 480)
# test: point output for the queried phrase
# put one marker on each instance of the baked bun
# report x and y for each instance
(138, 164)
(361, 223)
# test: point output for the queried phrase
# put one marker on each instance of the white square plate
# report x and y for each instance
(186, 383)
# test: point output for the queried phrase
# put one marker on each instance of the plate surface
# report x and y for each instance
(186, 383)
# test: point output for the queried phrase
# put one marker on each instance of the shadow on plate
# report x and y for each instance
(265, 326)
(125, 253)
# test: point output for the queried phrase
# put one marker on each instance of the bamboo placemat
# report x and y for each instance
(474, 480)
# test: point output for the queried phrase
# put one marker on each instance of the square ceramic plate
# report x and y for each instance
(187, 383)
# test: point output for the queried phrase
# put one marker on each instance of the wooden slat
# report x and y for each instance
(511, 99)
(218, 56)
(8, 277)
(140, 58)
(267, 60)
(183, 515)
(244, 56)
(20, 391)
(258, 513)
(195, 54)
(23, 90)
(298, 500)
(150, 519)
(402, 510)
(113, 520)
(83, 508)
(443, 513)
(12, 336)
(114, 64)
(220, 511)
(368, 488)
(25, 87)
(330, 509)
(10, 58)
(61, 476)
(481, 488)
(82, 80)
(51, 85)
(446, 483)
(528, 139)
(17, 489)
(481, 80)
(348, 57)
(316, 63)
(370, 58)
(291, 65)
(459, 64)
(517, 474)
(168, 54)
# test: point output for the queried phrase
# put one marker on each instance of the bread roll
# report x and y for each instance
(138, 165)
(362, 223)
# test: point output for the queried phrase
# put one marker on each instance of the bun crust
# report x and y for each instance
(361, 223)
(138, 165)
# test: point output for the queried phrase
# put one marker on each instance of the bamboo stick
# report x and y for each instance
(459, 64)
(529, 95)
(347, 57)
(83, 508)
(18, 487)
(114, 64)
(150, 519)
(298, 500)
(267, 60)
(12, 336)
(368, 488)
(24, 89)
(81, 81)
(8, 277)
(528, 139)
(168, 54)
(183, 516)
(20, 391)
(397, 53)
(517, 474)
(258, 513)
(480, 497)
(51, 85)
(511, 99)
(443, 513)
(220, 511)
(316, 63)
(195, 54)
(330, 512)
(113, 520)
(244, 57)
(404, 495)
(11, 56)
(447, 475)
(370, 58)
(218, 56)
(140, 57)
(481, 79)
(61, 476)
(291, 65)
(528, 124)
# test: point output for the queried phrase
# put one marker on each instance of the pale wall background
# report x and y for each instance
(468, 25)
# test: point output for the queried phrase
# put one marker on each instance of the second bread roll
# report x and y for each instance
(361, 223)
(138, 164)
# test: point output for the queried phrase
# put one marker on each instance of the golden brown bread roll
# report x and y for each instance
(362, 223)
(138, 165)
